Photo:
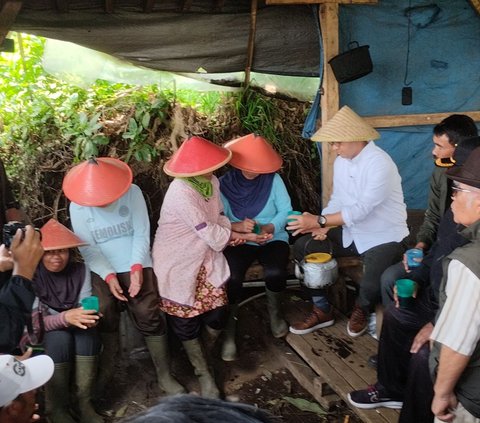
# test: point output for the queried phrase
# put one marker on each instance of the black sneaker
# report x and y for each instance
(373, 397)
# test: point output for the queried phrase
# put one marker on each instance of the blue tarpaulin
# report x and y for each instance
(443, 71)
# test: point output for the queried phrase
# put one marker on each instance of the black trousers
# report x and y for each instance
(190, 328)
(375, 261)
(405, 375)
(273, 256)
(144, 309)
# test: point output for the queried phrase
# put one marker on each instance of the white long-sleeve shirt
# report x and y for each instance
(367, 190)
(118, 234)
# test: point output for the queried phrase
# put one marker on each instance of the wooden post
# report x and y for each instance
(330, 99)
(251, 41)
(8, 13)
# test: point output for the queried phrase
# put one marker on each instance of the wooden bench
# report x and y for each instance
(338, 364)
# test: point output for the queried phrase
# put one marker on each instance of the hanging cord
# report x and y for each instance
(408, 15)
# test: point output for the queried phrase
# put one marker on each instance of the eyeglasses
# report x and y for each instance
(456, 188)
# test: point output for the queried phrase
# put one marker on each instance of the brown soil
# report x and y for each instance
(257, 377)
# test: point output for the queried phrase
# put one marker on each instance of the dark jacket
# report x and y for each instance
(438, 202)
(16, 301)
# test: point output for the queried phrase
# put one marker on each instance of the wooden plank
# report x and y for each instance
(341, 362)
(392, 121)
(309, 380)
(268, 2)
(330, 99)
(8, 13)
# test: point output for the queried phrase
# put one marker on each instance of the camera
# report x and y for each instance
(10, 229)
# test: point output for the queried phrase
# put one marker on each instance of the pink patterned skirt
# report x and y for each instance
(207, 298)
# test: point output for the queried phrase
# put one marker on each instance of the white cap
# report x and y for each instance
(17, 377)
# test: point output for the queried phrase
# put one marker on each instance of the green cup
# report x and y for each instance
(405, 290)
(90, 303)
(293, 212)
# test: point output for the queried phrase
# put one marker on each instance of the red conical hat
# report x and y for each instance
(97, 182)
(196, 156)
(56, 236)
(254, 153)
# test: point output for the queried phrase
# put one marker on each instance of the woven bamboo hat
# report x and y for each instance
(56, 236)
(196, 156)
(254, 153)
(345, 126)
(97, 182)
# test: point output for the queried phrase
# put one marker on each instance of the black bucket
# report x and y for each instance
(352, 64)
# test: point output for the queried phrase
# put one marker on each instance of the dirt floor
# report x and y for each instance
(257, 377)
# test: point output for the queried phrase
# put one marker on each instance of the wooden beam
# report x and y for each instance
(109, 6)
(394, 121)
(330, 99)
(186, 5)
(148, 5)
(271, 2)
(476, 5)
(62, 6)
(251, 41)
(8, 13)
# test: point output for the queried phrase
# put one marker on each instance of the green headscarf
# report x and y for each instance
(201, 184)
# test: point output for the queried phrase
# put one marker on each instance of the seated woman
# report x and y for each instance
(257, 203)
(70, 337)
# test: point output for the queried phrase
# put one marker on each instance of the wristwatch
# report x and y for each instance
(322, 221)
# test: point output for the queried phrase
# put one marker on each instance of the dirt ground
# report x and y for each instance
(257, 377)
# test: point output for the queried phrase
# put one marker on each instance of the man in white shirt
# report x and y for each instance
(366, 216)
(455, 354)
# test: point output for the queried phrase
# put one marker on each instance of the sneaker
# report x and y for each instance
(373, 397)
(317, 319)
(357, 325)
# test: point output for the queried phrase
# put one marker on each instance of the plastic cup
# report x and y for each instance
(256, 229)
(405, 290)
(293, 212)
(412, 254)
(90, 303)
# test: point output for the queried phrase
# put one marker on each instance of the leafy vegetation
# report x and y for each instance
(47, 124)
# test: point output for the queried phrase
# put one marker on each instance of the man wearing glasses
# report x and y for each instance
(455, 356)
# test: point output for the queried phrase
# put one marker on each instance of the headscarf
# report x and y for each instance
(59, 290)
(247, 197)
(200, 184)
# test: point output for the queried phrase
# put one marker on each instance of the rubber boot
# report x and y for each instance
(85, 371)
(278, 325)
(57, 395)
(158, 347)
(229, 347)
(208, 388)
(209, 338)
(107, 360)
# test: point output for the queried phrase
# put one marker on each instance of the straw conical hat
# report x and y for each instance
(254, 153)
(345, 126)
(56, 236)
(196, 156)
(97, 182)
